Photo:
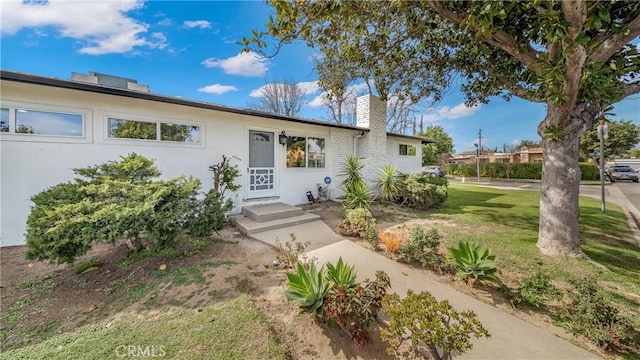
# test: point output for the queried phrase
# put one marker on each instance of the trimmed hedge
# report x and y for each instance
(422, 192)
(515, 171)
(589, 171)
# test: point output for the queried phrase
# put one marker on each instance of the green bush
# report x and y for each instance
(360, 222)
(118, 200)
(467, 170)
(526, 171)
(474, 262)
(208, 214)
(423, 247)
(341, 275)
(354, 187)
(533, 291)
(424, 320)
(589, 171)
(494, 170)
(422, 192)
(590, 314)
(451, 169)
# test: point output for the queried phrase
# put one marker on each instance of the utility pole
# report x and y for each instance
(479, 151)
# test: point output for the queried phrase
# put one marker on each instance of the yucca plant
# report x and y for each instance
(357, 197)
(342, 275)
(474, 262)
(388, 182)
(350, 170)
(308, 289)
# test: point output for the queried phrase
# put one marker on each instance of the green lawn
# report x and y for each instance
(229, 330)
(507, 222)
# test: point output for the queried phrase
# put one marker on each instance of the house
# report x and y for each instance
(523, 155)
(51, 126)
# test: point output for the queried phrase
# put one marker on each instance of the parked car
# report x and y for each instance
(619, 172)
(433, 171)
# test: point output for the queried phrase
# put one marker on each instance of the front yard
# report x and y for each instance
(121, 301)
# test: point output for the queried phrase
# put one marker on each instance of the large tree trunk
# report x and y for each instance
(559, 232)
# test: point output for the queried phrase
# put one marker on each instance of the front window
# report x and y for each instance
(407, 150)
(4, 120)
(153, 130)
(306, 152)
(44, 123)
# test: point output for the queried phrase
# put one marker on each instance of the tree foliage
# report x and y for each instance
(574, 56)
(440, 151)
(623, 136)
(281, 97)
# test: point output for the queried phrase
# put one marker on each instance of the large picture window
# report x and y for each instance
(153, 130)
(38, 122)
(306, 152)
(407, 150)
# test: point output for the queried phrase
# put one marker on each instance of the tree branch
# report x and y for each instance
(523, 92)
(499, 39)
(629, 89)
(614, 42)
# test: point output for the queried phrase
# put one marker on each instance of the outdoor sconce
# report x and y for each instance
(283, 138)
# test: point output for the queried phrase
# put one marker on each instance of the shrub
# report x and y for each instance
(355, 188)
(494, 170)
(526, 171)
(209, 214)
(392, 239)
(533, 291)
(341, 275)
(423, 192)
(354, 308)
(307, 289)
(590, 314)
(388, 182)
(451, 169)
(467, 170)
(423, 247)
(589, 171)
(118, 200)
(474, 262)
(424, 320)
(360, 222)
(291, 252)
(357, 197)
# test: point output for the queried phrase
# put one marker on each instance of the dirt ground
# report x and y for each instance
(39, 300)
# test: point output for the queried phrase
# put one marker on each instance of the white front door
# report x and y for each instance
(261, 179)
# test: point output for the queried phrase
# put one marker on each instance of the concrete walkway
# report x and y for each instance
(511, 337)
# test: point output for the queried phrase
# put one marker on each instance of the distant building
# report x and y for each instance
(523, 155)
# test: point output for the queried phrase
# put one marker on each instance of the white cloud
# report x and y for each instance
(217, 89)
(449, 113)
(202, 24)
(101, 26)
(245, 64)
(165, 22)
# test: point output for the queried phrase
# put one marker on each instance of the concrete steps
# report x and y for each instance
(260, 218)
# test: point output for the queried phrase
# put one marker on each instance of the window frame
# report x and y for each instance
(13, 106)
(158, 121)
(306, 152)
(407, 146)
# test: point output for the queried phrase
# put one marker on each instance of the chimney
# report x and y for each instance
(372, 148)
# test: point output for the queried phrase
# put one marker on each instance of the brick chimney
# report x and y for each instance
(372, 147)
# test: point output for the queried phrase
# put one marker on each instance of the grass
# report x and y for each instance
(229, 330)
(507, 222)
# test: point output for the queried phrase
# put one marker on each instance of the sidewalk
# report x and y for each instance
(511, 337)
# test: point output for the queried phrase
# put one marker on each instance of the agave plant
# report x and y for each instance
(308, 289)
(342, 275)
(474, 262)
(350, 170)
(387, 181)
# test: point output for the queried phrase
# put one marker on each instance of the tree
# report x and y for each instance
(440, 151)
(574, 56)
(634, 153)
(280, 97)
(623, 136)
(529, 144)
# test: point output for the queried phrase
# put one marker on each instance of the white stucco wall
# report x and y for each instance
(31, 163)
(404, 163)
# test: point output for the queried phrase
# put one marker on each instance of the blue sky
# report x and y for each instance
(188, 49)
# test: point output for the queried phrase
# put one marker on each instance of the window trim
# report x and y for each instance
(157, 120)
(306, 152)
(86, 114)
